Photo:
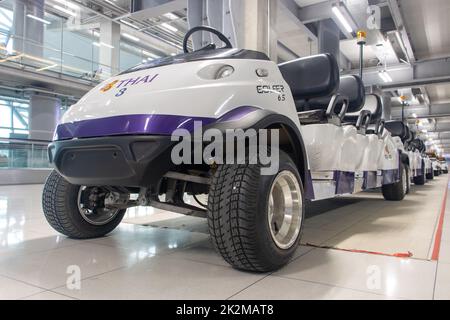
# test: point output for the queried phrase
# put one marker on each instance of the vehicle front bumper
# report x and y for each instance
(129, 161)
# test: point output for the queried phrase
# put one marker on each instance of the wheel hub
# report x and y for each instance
(91, 204)
(285, 209)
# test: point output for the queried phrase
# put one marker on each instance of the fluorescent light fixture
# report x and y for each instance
(131, 37)
(342, 19)
(71, 13)
(48, 67)
(171, 16)
(38, 19)
(98, 44)
(68, 4)
(149, 54)
(173, 54)
(129, 24)
(169, 27)
(385, 76)
(414, 115)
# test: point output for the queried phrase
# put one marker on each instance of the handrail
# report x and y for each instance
(25, 141)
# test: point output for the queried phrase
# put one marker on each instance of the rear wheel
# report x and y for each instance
(78, 212)
(421, 180)
(408, 179)
(255, 221)
(398, 190)
(430, 176)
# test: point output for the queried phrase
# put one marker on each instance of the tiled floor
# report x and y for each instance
(177, 262)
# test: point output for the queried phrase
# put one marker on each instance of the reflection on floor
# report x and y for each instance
(160, 255)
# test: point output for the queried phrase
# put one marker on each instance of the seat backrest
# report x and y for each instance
(311, 77)
(397, 129)
(373, 104)
(419, 145)
(350, 87)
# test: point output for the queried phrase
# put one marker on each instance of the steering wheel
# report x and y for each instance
(219, 34)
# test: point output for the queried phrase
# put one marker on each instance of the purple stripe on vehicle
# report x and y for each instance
(370, 180)
(140, 124)
(237, 114)
(345, 182)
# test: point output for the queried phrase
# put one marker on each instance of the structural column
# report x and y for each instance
(28, 33)
(329, 38)
(255, 25)
(44, 115)
(249, 24)
(109, 53)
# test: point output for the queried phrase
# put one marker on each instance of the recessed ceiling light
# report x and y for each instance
(131, 37)
(171, 16)
(38, 19)
(68, 4)
(70, 13)
(129, 24)
(48, 67)
(169, 27)
(149, 54)
(342, 19)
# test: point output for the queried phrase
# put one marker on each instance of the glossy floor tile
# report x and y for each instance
(156, 254)
(278, 288)
(389, 276)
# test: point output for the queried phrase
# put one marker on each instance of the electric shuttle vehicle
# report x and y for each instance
(114, 148)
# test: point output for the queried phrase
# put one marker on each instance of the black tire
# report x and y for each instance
(238, 216)
(421, 180)
(430, 176)
(60, 206)
(408, 179)
(396, 191)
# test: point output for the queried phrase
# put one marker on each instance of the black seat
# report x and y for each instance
(397, 129)
(419, 145)
(373, 104)
(311, 77)
(350, 87)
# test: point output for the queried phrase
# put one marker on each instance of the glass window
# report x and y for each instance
(14, 117)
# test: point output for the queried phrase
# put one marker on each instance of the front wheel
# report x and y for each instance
(78, 212)
(255, 221)
(398, 190)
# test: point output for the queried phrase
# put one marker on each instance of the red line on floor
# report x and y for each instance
(397, 255)
(437, 239)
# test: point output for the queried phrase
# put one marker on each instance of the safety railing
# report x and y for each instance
(49, 60)
(23, 153)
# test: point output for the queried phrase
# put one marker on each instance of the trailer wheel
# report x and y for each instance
(398, 190)
(421, 180)
(255, 221)
(63, 207)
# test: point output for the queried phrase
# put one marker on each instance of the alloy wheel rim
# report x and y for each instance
(97, 217)
(285, 209)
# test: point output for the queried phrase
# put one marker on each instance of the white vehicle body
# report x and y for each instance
(340, 160)
(444, 166)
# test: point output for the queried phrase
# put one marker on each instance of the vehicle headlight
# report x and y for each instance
(224, 72)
